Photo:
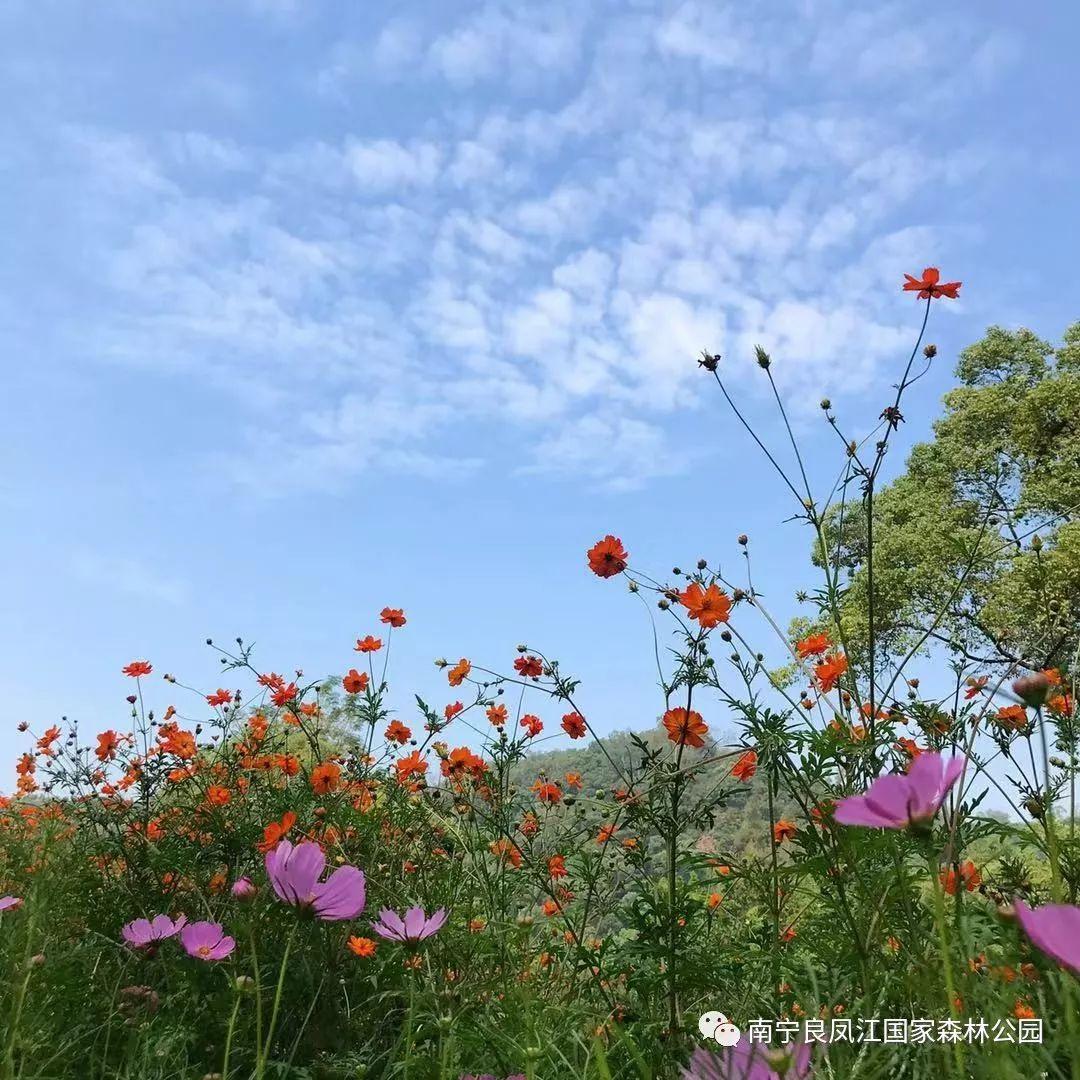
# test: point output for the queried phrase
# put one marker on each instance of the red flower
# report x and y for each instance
(137, 668)
(219, 697)
(930, 286)
(607, 557)
(276, 831)
(533, 725)
(830, 669)
(452, 710)
(709, 606)
(355, 682)
(745, 767)
(393, 615)
(397, 732)
(284, 694)
(969, 878)
(812, 645)
(45, 743)
(325, 777)
(529, 667)
(413, 765)
(459, 672)
(574, 725)
(547, 791)
(108, 744)
(974, 686)
(783, 830)
(685, 728)
(557, 867)
(368, 644)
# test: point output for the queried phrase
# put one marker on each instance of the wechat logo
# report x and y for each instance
(715, 1025)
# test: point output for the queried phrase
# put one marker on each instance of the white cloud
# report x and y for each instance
(385, 164)
(131, 576)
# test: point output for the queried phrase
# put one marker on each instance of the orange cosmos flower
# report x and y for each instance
(709, 607)
(685, 728)
(1011, 717)
(812, 645)
(216, 795)
(45, 743)
(573, 780)
(745, 767)
(368, 644)
(549, 908)
(356, 682)
(974, 686)
(1023, 1011)
(506, 850)
(529, 667)
(783, 830)
(394, 616)
(137, 668)
(219, 697)
(458, 673)
(276, 830)
(607, 557)
(413, 765)
(828, 672)
(714, 901)
(969, 878)
(605, 834)
(930, 286)
(397, 732)
(547, 791)
(175, 740)
(108, 744)
(557, 867)
(452, 710)
(533, 725)
(325, 777)
(497, 714)
(574, 725)
(363, 947)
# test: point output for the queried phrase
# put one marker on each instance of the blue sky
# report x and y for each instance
(310, 307)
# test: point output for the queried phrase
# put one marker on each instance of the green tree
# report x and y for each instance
(977, 543)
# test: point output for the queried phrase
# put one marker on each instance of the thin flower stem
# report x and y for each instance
(264, 1057)
(229, 1038)
(957, 1058)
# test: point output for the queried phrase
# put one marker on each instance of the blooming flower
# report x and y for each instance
(1055, 929)
(902, 799)
(529, 667)
(355, 682)
(751, 1061)
(294, 872)
(685, 728)
(930, 286)
(830, 669)
(137, 668)
(414, 927)
(607, 557)
(145, 932)
(325, 777)
(368, 644)
(394, 616)
(363, 947)
(574, 725)
(969, 878)
(745, 767)
(709, 607)
(459, 672)
(812, 645)
(10, 903)
(206, 941)
(783, 830)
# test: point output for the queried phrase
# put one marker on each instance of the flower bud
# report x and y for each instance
(763, 358)
(244, 984)
(826, 404)
(929, 351)
(243, 888)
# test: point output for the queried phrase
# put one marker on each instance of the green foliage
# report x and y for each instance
(977, 542)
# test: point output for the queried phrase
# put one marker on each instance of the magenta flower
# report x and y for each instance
(903, 799)
(206, 941)
(243, 888)
(1054, 928)
(294, 873)
(9, 903)
(414, 927)
(143, 933)
(751, 1061)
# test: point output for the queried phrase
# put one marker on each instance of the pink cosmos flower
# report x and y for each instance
(206, 941)
(1054, 928)
(903, 799)
(294, 873)
(143, 933)
(243, 888)
(751, 1061)
(9, 903)
(414, 927)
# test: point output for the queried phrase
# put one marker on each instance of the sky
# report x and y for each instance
(308, 308)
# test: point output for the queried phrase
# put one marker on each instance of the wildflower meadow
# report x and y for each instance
(847, 847)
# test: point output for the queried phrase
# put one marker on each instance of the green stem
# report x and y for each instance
(259, 1064)
(277, 1005)
(229, 1039)
(946, 959)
